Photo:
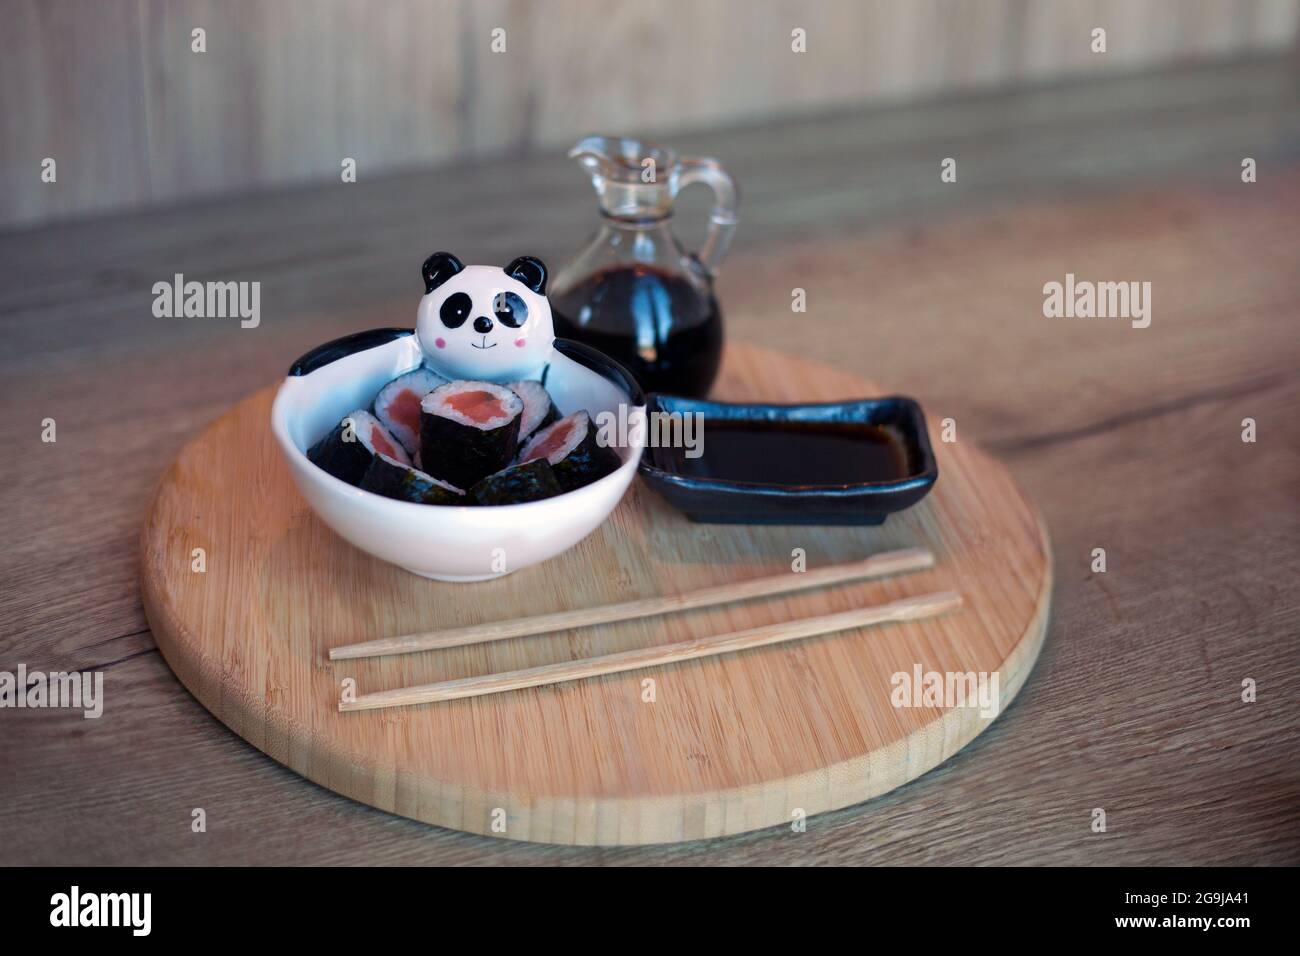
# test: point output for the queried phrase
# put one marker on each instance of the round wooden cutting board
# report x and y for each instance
(711, 747)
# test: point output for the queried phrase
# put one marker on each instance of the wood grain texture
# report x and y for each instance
(287, 89)
(1128, 439)
(729, 744)
(70, 90)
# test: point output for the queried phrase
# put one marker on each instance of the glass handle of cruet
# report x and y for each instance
(722, 218)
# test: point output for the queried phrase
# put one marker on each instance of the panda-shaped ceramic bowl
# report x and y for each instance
(474, 322)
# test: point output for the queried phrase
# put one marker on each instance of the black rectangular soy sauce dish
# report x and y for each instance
(798, 448)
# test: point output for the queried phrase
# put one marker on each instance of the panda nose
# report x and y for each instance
(483, 324)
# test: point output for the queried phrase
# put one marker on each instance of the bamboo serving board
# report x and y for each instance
(697, 749)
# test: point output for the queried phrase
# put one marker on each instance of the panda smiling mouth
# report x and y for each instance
(484, 345)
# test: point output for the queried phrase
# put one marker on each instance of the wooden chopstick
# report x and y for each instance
(878, 565)
(906, 609)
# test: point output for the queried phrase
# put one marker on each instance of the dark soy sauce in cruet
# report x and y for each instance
(663, 329)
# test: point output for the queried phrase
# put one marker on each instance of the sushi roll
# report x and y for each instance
(392, 479)
(571, 448)
(469, 430)
(347, 451)
(539, 410)
(531, 481)
(398, 405)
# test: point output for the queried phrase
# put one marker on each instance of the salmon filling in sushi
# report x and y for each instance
(347, 451)
(575, 456)
(398, 405)
(469, 430)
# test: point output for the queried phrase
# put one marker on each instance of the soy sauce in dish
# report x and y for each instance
(794, 453)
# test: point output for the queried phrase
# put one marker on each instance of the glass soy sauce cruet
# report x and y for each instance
(633, 292)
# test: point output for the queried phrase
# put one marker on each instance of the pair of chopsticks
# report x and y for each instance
(879, 565)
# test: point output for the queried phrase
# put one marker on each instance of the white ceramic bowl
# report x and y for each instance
(446, 542)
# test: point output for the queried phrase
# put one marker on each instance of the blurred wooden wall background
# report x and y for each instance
(112, 91)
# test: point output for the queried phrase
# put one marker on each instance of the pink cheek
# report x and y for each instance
(520, 343)
(440, 343)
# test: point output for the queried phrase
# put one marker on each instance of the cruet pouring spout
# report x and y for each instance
(633, 179)
(623, 159)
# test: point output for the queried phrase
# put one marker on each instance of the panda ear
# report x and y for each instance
(438, 268)
(531, 272)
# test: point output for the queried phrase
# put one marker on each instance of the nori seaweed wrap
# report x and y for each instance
(531, 481)
(539, 410)
(347, 451)
(571, 448)
(469, 430)
(392, 479)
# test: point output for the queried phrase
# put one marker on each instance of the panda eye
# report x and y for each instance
(510, 309)
(455, 310)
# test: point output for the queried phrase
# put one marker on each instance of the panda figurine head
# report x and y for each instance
(484, 322)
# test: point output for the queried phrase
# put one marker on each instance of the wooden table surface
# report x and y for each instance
(1128, 439)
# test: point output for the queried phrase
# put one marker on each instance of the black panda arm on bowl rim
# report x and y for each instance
(323, 355)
